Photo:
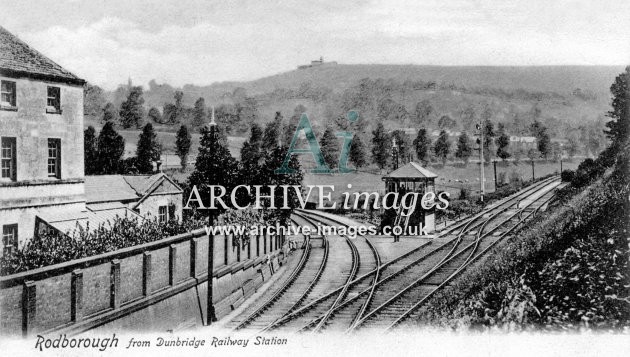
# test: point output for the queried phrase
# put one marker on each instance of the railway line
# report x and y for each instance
(412, 290)
(293, 289)
(365, 293)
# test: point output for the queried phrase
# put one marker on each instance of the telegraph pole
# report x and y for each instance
(494, 162)
(395, 153)
(210, 315)
(480, 126)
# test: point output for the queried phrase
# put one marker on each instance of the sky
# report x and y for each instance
(201, 42)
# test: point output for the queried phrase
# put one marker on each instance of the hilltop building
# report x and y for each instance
(317, 63)
(42, 181)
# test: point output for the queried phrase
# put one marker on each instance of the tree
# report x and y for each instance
(357, 152)
(618, 128)
(422, 111)
(404, 145)
(111, 147)
(155, 115)
(442, 146)
(93, 102)
(488, 138)
(214, 166)
(182, 145)
(148, 150)
(446, 122)
(110, 114)
(90, 151)
(199, 113)
(573, 146)
(274, 159)
(272, 133)
(503, 141)
(467, 116)
(539, 131)
(381, 146)
(330, 147)
(421, 144)
(131, 110)
(464, 149)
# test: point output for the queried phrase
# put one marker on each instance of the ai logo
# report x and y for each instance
(314, 149)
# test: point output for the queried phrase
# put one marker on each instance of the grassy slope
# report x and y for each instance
(567, 270)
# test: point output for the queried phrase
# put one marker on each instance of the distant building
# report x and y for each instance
(450, 133)
(317, 63)
(523, 142)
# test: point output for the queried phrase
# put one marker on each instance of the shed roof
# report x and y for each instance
(108, 188)
(69, 222)
(18, 58)
(411, 170)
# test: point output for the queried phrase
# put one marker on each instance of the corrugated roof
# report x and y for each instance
(69, 222)
(16, 57)
(108, 188)
(411, 170)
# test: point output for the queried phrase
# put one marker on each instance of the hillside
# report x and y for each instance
(571, 101)
(559, 79)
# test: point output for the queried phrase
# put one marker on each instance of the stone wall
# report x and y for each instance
(156, 286)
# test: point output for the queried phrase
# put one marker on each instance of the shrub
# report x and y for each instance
(52, 247)
(567, 175)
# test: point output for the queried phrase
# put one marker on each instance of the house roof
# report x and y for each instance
(143, 183)
(19, 59)
(411, 170)
(108, 188)
(115, 188)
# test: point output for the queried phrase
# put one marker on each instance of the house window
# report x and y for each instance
(162, 214)
(53, 103)
(9, 238)
(54, 158)
(7, 94)
(7, 158)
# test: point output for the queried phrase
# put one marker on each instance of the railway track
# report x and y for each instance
(293, 289)
(350, 313)
(369, 271)
(412, 290)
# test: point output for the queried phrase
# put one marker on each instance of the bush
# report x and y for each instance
(568, 269)
(52, 247)
(567, 175)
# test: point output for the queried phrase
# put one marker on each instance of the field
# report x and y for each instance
(450, 178)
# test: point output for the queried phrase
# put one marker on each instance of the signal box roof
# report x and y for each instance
(410, 172)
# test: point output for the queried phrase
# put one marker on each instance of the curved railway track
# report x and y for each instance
(364, 259)
(517, 217)
(293, 289)
(351, 312)
(413, 289)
